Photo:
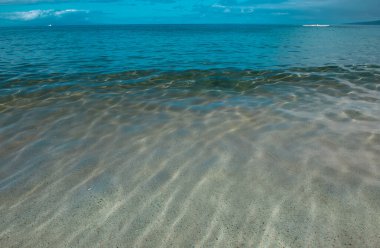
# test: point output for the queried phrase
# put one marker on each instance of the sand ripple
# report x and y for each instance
(217, 158)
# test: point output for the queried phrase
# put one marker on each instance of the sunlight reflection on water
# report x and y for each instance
(198, 157)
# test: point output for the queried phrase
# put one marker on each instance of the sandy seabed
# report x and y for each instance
(168, 167)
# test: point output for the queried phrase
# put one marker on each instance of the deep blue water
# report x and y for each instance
(104, 49)
(190, 136)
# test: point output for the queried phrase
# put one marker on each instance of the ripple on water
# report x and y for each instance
(192, 158)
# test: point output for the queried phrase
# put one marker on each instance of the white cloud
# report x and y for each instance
(280, 13)
(249, 6)
(27, 15)
(69, 11)
(23, 1)
(8, 2)
(228, 8)
(38, 14)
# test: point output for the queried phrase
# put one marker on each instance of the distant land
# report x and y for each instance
(367, 23)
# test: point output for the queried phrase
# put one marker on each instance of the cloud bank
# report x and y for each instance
(40, 14)
(50, 16)
(26, 2)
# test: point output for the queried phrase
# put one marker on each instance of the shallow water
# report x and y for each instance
(224, 157)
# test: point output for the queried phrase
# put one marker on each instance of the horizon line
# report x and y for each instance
(167, 24)
(364, 23)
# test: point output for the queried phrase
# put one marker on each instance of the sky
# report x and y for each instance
(72, 12)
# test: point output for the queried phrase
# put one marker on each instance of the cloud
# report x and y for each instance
(280, 13)
(289, 11)
(159, 1)
(244, 11)
(15, 2)
(68, 11)
(40, 14)
(28, 1)
(250, 5)
(50, 16)
(229, 8)
(27, 15)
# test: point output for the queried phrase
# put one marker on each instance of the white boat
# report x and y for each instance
(316, 25)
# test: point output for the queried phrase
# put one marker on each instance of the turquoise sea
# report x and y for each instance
(190, 136)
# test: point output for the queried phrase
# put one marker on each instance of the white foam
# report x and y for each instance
(316, 25)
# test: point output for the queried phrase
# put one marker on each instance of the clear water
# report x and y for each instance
(182, 136)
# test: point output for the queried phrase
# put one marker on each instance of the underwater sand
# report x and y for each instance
(193, 158)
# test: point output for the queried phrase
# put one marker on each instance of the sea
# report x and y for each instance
(190, 136)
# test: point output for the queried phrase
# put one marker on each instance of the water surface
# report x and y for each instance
(182, 136)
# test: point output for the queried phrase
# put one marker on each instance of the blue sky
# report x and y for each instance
(41, 12)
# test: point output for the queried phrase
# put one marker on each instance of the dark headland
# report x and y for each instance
(367, 23)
